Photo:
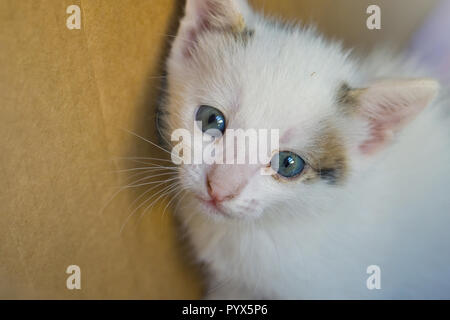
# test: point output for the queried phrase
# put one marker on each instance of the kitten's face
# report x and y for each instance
(261, 76)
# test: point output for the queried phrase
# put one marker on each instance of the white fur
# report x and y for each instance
(295, 240)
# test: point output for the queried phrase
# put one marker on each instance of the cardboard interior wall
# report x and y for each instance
(65, 98)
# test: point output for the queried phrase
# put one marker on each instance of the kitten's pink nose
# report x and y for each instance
(217, 192)
(224, 182)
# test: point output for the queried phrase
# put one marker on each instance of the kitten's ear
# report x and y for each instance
(389, 105)
(204, 15)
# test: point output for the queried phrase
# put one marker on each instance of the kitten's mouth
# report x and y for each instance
(213, 206)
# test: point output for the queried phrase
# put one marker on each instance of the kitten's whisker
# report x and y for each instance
(165, 193)
(138, 174)
(134, 183)
(149, 169)
(171, 200)
(176, 36)
(144, 162)
(143, 158)
(146, 192)
(149, 183)
(143, 171)
(152, 143)
(137, 208)
(181, 199)
(120, 189)
(164, 189)
(136, 200)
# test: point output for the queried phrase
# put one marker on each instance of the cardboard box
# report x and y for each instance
(65, 98)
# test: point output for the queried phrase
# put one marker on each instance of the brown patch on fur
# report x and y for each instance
(328, 159)
(239, 25)
(309, 175)
(347, 98)
(240, 30)
(244, 36)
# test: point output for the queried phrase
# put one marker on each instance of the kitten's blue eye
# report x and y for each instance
(210, 118)
(287, 164)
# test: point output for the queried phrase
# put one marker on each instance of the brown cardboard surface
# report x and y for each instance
(64, 97)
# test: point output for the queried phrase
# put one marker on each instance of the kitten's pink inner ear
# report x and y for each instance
(389, 105)
(203, 15)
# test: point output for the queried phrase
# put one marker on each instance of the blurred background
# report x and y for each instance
(65, 98)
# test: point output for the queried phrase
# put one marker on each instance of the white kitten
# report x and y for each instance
(372, 190)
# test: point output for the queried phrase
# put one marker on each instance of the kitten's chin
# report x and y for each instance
(219, 211)
(215, 210)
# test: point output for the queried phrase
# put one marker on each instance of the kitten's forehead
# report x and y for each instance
(274, 79)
